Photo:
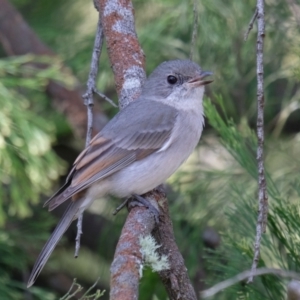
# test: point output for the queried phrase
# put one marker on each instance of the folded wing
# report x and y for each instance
(132, 135)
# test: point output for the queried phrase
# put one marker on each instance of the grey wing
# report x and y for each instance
(141, 129)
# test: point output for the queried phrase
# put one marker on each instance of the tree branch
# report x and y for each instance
(91, 83)
(262, 189)
(244, 275)
(89, 102)
(127, 60)
(124, 51)
(250, 26)
(126, 269)
(175, 279)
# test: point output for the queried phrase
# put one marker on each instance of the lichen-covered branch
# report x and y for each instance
(128, 62)
(175, 279)
(125, 53)
(127, 265)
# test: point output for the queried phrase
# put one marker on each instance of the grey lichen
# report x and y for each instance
(151, 258)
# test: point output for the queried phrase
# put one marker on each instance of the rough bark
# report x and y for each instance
(128, 260)
(175, 279)
(127, 61)
(125, 53)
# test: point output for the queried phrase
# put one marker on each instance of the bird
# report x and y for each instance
(138, 149)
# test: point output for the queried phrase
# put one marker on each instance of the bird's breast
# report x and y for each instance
(146, 174)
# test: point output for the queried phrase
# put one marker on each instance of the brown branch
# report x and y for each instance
(17, 38)
(125, 53)
(127, 60)
(175, 279)
(128, 258)
(262, 188)
(128, 261)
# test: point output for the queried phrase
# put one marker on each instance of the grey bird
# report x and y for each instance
(138, 149)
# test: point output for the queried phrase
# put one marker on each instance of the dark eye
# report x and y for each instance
(172, 79)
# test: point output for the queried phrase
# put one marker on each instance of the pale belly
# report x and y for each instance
(144, 175)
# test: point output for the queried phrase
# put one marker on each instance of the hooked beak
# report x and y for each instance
(198, 81)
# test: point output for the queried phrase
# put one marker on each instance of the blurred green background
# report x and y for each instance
(213, 198)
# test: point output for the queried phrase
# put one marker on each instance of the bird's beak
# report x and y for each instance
(199, 80)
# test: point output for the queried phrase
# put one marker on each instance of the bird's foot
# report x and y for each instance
(141, 201)
(138, 201)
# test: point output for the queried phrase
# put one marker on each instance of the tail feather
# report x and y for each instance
(69, 215)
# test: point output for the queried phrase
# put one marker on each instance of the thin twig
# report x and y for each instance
(79, 289)
(91, 83)
(250, 26)
(89, 102)
(70, 289)
(78, 235)
(244, 275)
(90, 288)
(262, 189)
(195, 29)
(105, 97)
(69, 296)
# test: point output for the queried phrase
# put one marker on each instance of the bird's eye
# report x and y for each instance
(172, 79)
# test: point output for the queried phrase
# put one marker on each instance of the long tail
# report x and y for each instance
(69, 215)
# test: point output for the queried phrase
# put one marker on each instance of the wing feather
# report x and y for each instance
(130, 137)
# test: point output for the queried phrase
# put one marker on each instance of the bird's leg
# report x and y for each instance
(141, 201)
(122, 205)
(138, 201)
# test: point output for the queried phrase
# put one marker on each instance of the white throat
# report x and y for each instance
(184, 99)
